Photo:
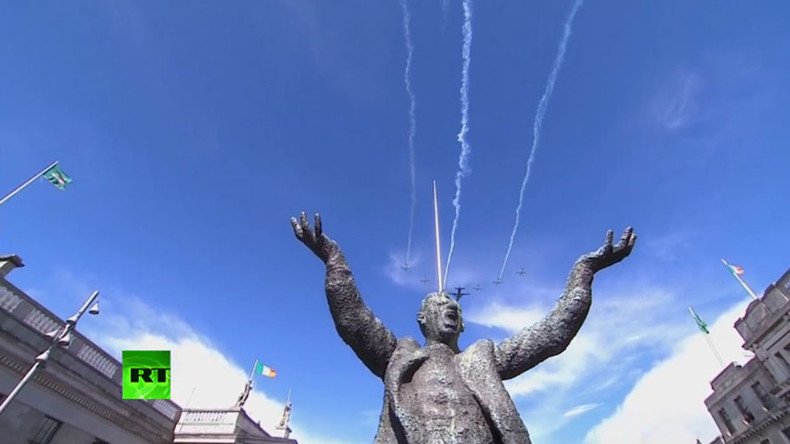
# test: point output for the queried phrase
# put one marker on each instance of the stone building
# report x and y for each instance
(222, 426)
(751, 403)
(76, 397)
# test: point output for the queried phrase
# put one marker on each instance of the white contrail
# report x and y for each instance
(412, 122)
(445, 6)
(463, 159)
(538, 123)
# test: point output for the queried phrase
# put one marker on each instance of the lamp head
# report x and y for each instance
(65, 341)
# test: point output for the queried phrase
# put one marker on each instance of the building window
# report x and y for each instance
(727, 421)
(47, 430)
(765, 400)
(745, 413)
(782, 359)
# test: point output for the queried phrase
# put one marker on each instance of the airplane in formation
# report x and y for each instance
(425, 280)
(459, 293)
(476, 287)
(521, 271)
(498, 281)
(405, 267)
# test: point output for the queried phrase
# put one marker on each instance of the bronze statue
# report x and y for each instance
(244, 395)
(438, 393)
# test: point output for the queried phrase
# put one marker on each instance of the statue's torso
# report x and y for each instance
(447, 408)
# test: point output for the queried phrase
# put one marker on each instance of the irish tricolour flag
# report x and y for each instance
(265, 370)
(734, 269)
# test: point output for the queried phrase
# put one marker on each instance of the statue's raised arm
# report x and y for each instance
(357, 325)
(553, 334)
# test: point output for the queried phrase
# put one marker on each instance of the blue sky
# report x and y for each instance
(194, 131)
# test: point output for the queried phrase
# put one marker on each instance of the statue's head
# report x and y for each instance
(440, 319)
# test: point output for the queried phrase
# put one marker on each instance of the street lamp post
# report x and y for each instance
(60, 338)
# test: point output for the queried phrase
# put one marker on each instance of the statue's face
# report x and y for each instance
(440, 318)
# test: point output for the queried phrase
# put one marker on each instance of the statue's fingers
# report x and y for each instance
(305, 226)
(318, 229)
(626, 237)
(609, 237)
(297, 229)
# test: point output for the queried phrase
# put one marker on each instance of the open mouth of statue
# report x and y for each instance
(451, 317)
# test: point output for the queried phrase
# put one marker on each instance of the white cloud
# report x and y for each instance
(411, 278)
(630, 327)
(669, 246)
(580, 410)
(511, 319)
(675, 106)
(667, 403)
(195, 384)
(561, 372)
(606, 346)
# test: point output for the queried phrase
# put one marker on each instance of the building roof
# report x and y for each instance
(14, 259)
(25, 324)
(223, 425)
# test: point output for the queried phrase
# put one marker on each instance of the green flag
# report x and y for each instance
(57, 177)
(700, 323)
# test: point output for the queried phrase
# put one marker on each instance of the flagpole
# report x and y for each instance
(438, 248)
(715, 352)
(190, 396)
(186, 407)
(703, 328)
(740, 281)
(29, 181)
(252, 373)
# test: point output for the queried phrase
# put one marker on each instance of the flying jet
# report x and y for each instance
(425, 280)
(498, 281)
(405, 267)
(459, 293)
(521, 271)
(477, 287)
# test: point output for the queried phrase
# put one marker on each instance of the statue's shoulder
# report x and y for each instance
(407, 343)
(480, 346)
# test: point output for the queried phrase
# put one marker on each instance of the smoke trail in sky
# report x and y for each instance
(463, 159)
(445, 6)
(412, 122)
(538, 123)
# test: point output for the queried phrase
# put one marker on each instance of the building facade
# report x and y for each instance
(751, 403)
(76, 397)
(223, 426)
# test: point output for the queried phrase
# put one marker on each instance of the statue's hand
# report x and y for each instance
(610, 254)
(315, 239)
